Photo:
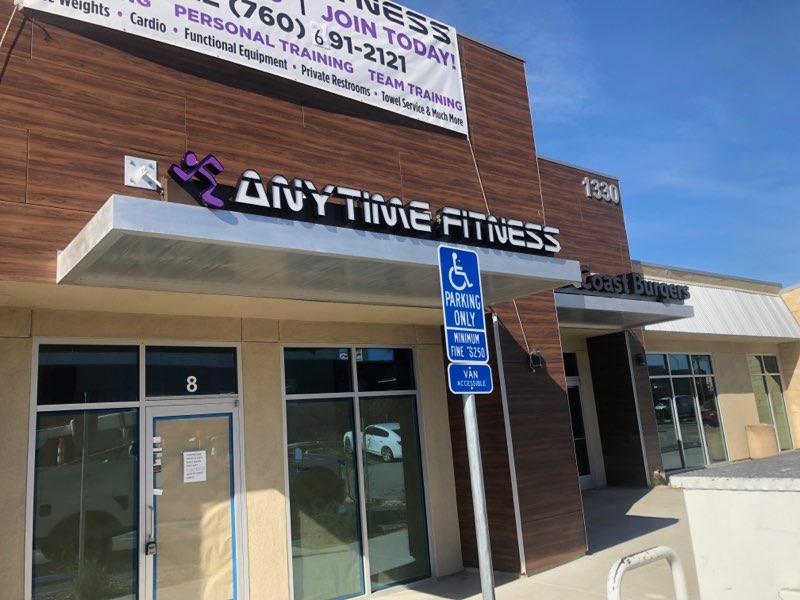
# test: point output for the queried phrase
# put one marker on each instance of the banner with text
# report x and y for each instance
(373, 51)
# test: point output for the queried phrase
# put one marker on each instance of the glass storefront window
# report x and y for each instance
(317, 370)
(398, 541)
(687, 413)
(81, 374)
(570, 364)
(329, 488)
(190, 371)
(87, 498)
(701, 364)
(665, 422)
(85, 521)
(710, 418)
(679, 364)
(657, 364)
(383, 369)
(323, 499)
(768, 391)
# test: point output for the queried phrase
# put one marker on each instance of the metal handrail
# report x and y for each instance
(640, 559)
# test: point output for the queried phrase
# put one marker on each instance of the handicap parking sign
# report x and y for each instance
(462, 302)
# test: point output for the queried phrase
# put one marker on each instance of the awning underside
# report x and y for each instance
(142, 244)
(583, 310)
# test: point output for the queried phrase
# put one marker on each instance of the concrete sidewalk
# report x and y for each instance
(619, 522)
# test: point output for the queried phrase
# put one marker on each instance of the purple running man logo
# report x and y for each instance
(205, 170)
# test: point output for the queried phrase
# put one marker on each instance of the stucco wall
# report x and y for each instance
(748, 550)
(15, 374)
(262, 416)
(577, 343)
(735, 390)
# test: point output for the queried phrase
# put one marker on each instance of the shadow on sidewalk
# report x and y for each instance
(607, 520)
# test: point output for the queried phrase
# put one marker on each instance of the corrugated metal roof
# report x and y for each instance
(720, 311)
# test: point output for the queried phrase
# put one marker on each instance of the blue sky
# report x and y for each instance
(695, 106)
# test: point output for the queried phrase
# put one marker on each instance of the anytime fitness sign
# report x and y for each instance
(373, 51)
(302, 199)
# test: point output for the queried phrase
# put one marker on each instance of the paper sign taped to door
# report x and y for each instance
(194, 466)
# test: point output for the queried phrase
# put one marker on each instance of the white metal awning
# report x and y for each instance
(585, 310)
(719, 311)
(143, 244)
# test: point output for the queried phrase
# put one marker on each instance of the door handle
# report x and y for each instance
(150, 547)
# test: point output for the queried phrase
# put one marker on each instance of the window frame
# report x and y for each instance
(359, 450)
(764, 374)
(141, 405)
(692, 376)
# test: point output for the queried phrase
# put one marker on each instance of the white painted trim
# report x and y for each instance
(31, 472)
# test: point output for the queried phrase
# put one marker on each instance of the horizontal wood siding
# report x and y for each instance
(74, 99)
(593, 233)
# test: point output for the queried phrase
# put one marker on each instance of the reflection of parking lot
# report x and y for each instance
(385, 481)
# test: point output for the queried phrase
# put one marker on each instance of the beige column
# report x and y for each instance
(265, 460)
(15, 374)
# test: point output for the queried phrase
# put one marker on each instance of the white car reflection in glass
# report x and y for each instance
(381, 439)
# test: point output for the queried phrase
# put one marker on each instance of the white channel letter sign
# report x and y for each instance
(373, 51)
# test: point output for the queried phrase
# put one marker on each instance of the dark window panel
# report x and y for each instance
(78, 374)
(190, 371)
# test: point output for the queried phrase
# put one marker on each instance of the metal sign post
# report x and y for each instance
(468, 374)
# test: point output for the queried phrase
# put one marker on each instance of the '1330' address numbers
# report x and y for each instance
(601, 190)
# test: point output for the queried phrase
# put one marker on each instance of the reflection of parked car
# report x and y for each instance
(381, 439)
(663, 412)
(685, 408)
(709, 416)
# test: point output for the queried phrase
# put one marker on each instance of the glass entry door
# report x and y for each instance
(579, 433)
(190, 505)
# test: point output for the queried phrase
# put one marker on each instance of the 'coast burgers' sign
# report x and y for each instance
(630, 284)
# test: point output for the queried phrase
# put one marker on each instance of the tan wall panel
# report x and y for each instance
(68, 324)
(15, 322)
(790, 370)
(792, 299)
(15, 373)
(351, 333)
(578, 346)
(734, 388)
(260, 330)
(429, 335)
(265, 459)
(444, 533)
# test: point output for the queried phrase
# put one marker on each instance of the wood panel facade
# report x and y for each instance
(75, 99)
(593, 232)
